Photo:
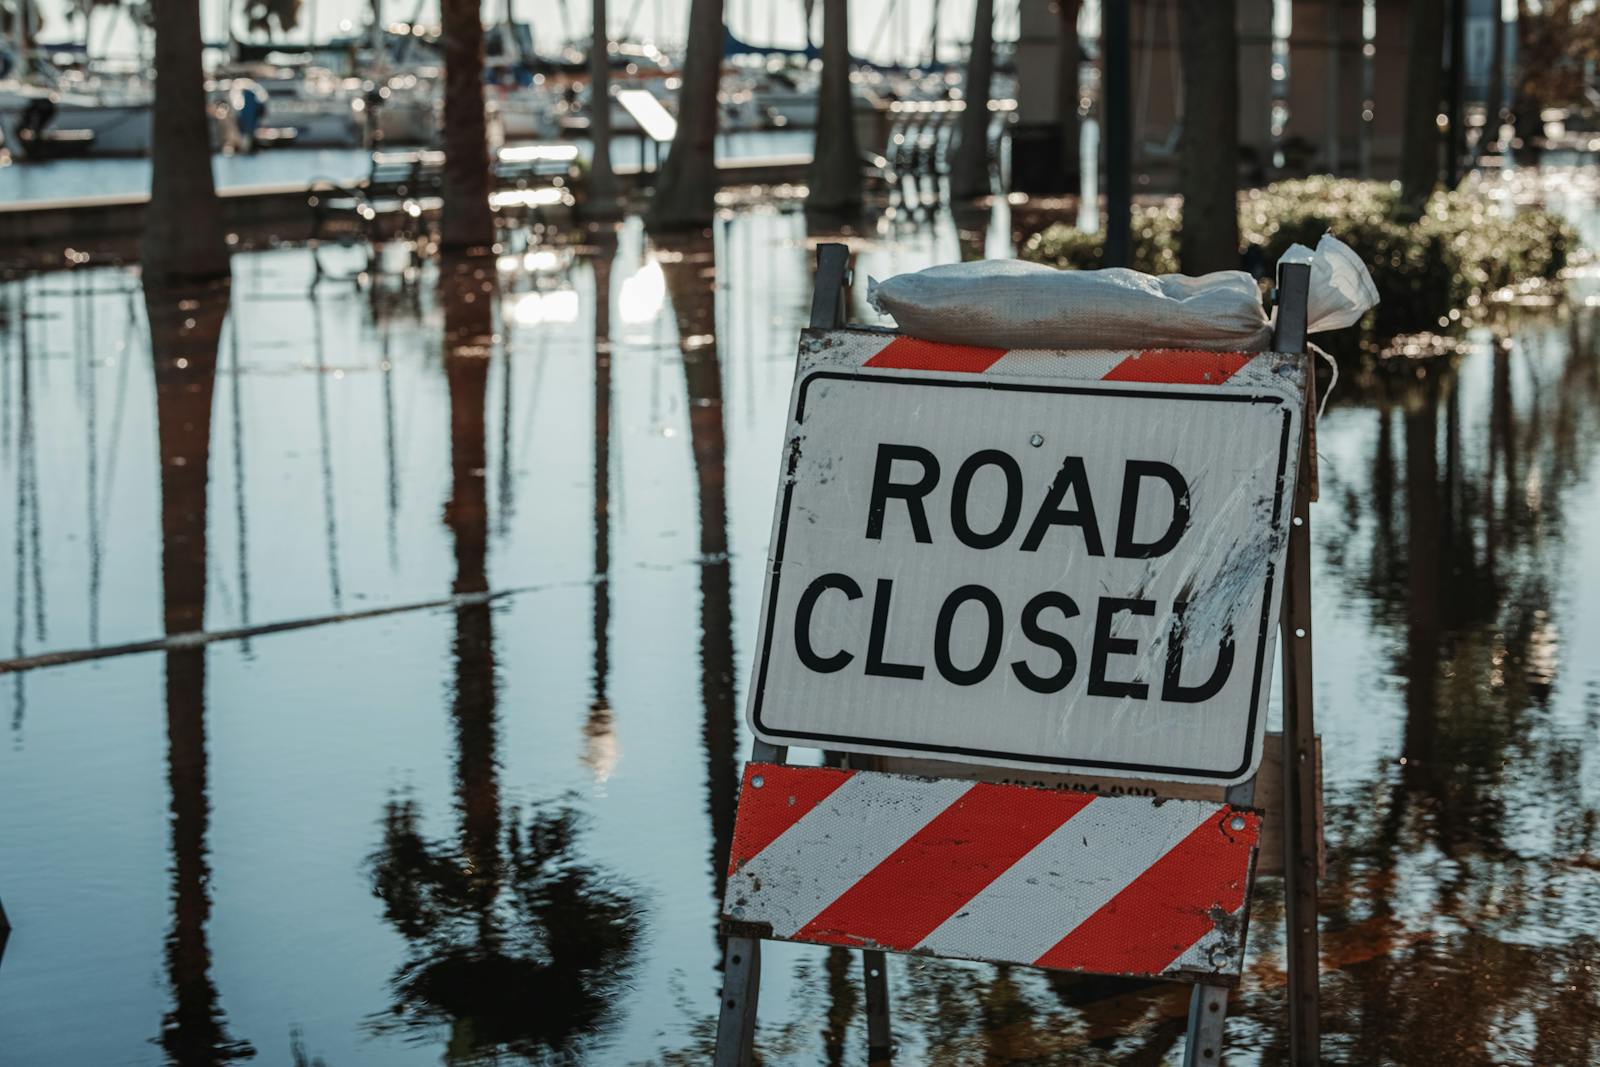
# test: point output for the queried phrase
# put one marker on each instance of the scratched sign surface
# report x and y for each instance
(981, 871)
(1063, 561)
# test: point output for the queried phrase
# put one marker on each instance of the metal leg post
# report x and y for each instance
(1208, 1004)
(1208, 1010)
(1299, 793)
(1299, 723)
(875, 974)
(741, 960)
(741, 990)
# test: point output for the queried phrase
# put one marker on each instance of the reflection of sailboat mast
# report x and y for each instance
(600, 746)
(239, 508)
(91, 421)
(392, 483)
(184, 351)
(505, 484)
(12, 318)
(20, 623)
(28, 467)
(330, 519)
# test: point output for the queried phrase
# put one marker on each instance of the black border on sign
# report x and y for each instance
(914, 747)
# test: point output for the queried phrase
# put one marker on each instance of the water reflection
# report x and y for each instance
(600, 751)
(1458, 695)
(184, 335)
(690, 268)
(517, 947)
(1452, 885)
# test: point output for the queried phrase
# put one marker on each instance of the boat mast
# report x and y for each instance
(20, 30)
(377, 39)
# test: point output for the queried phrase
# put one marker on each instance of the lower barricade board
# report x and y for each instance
(957, 869)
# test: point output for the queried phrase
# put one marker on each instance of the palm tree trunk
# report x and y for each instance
(686, 192)
(834, 179)
(184, 242)
(602, 192)
(1419, 152)
(1209, 164)
(466, 225)
(969, 164)
(1067, 91)
(1495, 105)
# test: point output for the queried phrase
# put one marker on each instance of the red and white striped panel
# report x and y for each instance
(1004, 873)
(875, 349)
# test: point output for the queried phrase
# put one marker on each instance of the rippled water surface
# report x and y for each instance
(475, 807)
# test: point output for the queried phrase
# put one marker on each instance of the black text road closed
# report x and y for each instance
(1041, 569)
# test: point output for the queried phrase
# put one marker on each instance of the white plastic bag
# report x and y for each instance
(1341, 289)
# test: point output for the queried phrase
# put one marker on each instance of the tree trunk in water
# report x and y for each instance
(1419, 154)
(185, 328)
(184, 242)
(466, 225)
(834, 179)
(1495, 108)
(686, 193)
(1525, 105)
(690, 277)
(1209, 164)
(468, 349)
(602, 192)
(1067, 92)
(969, 164)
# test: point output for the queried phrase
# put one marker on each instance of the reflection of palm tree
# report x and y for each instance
(691, 284)
(1468, 582)
(517, 951)
(183, 342)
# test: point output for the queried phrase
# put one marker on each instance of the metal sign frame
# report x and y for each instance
(1208, 1002)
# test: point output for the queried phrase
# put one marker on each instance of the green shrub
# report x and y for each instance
(1463, 249)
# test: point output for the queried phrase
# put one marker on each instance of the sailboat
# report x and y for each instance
(46, 112)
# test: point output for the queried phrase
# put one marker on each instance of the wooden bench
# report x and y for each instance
(399, 190)
(402, 189)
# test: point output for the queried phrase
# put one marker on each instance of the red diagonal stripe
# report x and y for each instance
(1166, 909)
(928, 879)
(909, 353)
(1180, 366)
(786, 795)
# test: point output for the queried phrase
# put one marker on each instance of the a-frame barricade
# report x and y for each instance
(800, 829)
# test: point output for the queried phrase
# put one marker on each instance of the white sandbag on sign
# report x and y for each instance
(1016, 304)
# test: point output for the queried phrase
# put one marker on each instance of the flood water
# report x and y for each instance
(473, 805)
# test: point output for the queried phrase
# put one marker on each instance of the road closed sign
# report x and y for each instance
(1062, 561)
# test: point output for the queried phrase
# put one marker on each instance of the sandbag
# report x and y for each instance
(1016, 304)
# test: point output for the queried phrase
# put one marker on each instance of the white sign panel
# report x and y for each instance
(1034, 559)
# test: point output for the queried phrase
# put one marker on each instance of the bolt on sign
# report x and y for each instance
(1059, 561)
